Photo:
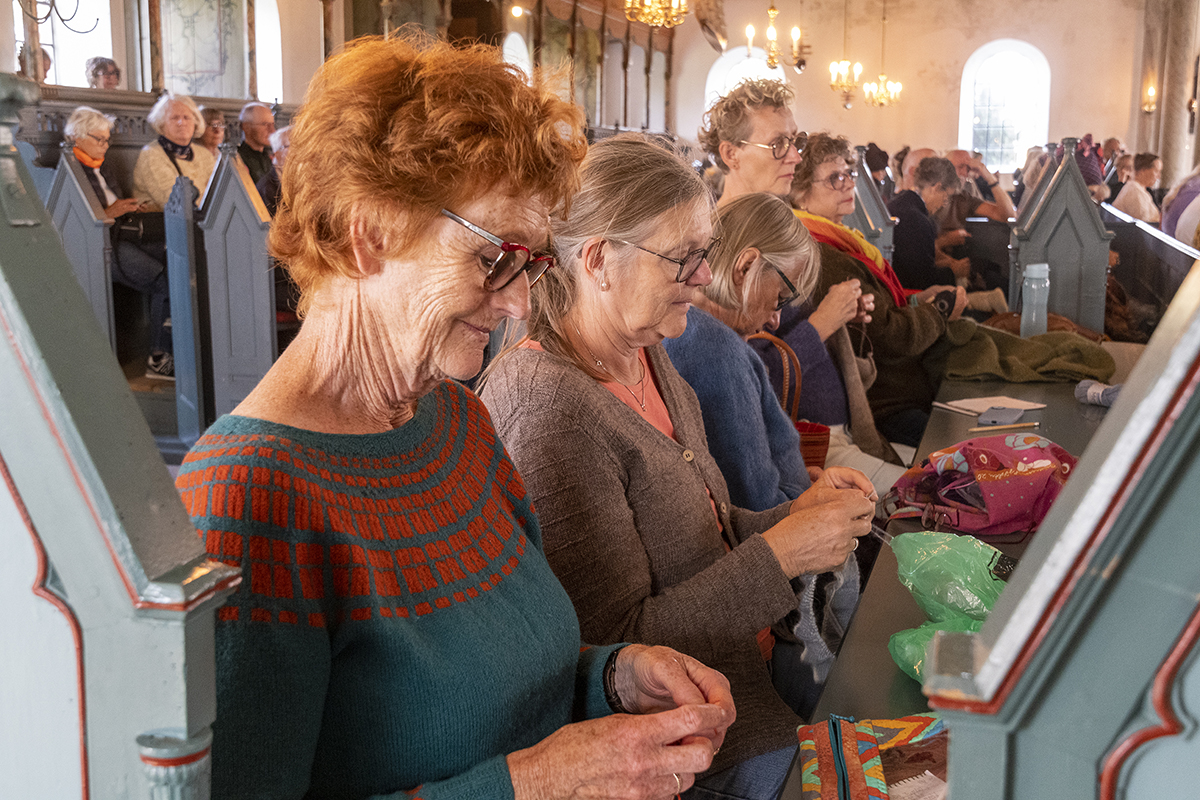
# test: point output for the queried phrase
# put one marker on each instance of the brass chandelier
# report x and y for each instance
(839, 71)
(883, 93)
(656, 13)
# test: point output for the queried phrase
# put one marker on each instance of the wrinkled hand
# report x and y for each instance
(123, 207)
(839, 307)
(960, 303)
(849, 478)
(952, 238)
(620, 756)
(866, 304)
(651, 679)
(817, 537)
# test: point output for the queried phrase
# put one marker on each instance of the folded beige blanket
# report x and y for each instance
(1057, 357)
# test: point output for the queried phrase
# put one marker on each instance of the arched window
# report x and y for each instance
(1004, 102)
(733, 67)
(516, 52)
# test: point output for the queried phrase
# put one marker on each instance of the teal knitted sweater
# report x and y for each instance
(397, 625)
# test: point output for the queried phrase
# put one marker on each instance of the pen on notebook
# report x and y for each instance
(949, 407)
(1005, 427)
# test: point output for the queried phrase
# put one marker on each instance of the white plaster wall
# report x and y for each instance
(303, 43)
(1092, 49)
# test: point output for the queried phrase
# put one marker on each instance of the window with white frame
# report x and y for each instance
(1004, 102)
(734, 66)
(70, 34)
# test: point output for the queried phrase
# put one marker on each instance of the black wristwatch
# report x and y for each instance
(610, 684)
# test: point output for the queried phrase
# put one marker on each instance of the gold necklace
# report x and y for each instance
(600, 365)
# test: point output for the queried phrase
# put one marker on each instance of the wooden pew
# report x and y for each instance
(1063, 228)
(222, 295)
(988, 249)
(1152, 265)
(871, 217)
(107, 684)
(86, 236)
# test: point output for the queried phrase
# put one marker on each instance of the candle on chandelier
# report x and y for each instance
(749, 40)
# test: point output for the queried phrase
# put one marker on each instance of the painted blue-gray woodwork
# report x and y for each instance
(1152, 265)
(871, 217)
(42, 177)
(241, 283)
(189, 315)
(1063, 229)
(1120, 545)
(85, 491)
(86, 237)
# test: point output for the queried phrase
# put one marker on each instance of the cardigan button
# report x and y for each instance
(724, 508)
(688, 456)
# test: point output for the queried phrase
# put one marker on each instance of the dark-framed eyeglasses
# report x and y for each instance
(512, 261)
(838, 180)
(793, 292)
(779, 148)
(98, 139)
(688, 264)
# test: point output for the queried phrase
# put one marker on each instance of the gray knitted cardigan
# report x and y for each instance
(628, 528)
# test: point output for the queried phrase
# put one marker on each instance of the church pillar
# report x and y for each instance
(154, 23)
(1177, 151)
(33, 43)
(251, 52)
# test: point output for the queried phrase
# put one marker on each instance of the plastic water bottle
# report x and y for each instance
(1035, 291)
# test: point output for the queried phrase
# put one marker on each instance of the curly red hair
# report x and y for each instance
(393, 130)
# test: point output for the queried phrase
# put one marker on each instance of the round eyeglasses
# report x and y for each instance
(838, 180)
(512, 261)
(779, 148)
(688, 264)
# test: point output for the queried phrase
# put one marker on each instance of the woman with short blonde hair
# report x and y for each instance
(176, 120)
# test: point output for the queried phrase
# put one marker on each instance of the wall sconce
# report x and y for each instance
(1150, 104)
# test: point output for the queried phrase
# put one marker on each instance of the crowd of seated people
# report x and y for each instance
(640, 416)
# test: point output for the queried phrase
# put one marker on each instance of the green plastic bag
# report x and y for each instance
(954, 579)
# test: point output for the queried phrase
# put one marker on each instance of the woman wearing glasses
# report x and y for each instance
(816, 333)
(636, 518)
(398, 627)
(906, 338)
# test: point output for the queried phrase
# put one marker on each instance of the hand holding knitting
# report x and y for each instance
(821, 532)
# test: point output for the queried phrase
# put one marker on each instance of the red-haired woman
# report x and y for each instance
(398, 625)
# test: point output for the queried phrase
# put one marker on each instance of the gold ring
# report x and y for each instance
(678, 784)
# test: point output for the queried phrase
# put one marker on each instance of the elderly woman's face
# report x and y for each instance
(756, 167)
(645, 303)
(95, 142)
(180, 124)
(832, 192)
(761, 309)
(214, 134)
(437, 313)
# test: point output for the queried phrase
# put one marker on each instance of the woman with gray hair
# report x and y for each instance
(138, 265)
(177, 121)
(636, 518)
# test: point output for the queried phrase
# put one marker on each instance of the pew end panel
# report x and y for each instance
(108, 589)
(1151, 266)
(1064, 229)
(1078, 677)
(86, 233)
(241, 283)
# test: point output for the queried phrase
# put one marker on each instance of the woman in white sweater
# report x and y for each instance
(176, 120)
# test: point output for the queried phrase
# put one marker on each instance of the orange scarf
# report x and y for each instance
(852, 243)
(85, 159)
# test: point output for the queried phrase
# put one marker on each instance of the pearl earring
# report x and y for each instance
(603, 285)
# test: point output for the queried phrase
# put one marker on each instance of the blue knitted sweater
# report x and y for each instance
(749, 435)
(397, 624)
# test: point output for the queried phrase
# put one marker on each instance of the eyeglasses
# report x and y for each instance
(512, 261)
(98, 139)
(791, 287)
(688, 264)
(779, 148)
(838, 180)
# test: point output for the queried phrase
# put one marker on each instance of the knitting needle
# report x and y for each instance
(1004, 427)
(880, 534)
(949, 407)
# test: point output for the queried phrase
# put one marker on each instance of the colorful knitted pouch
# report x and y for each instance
(988, 486)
